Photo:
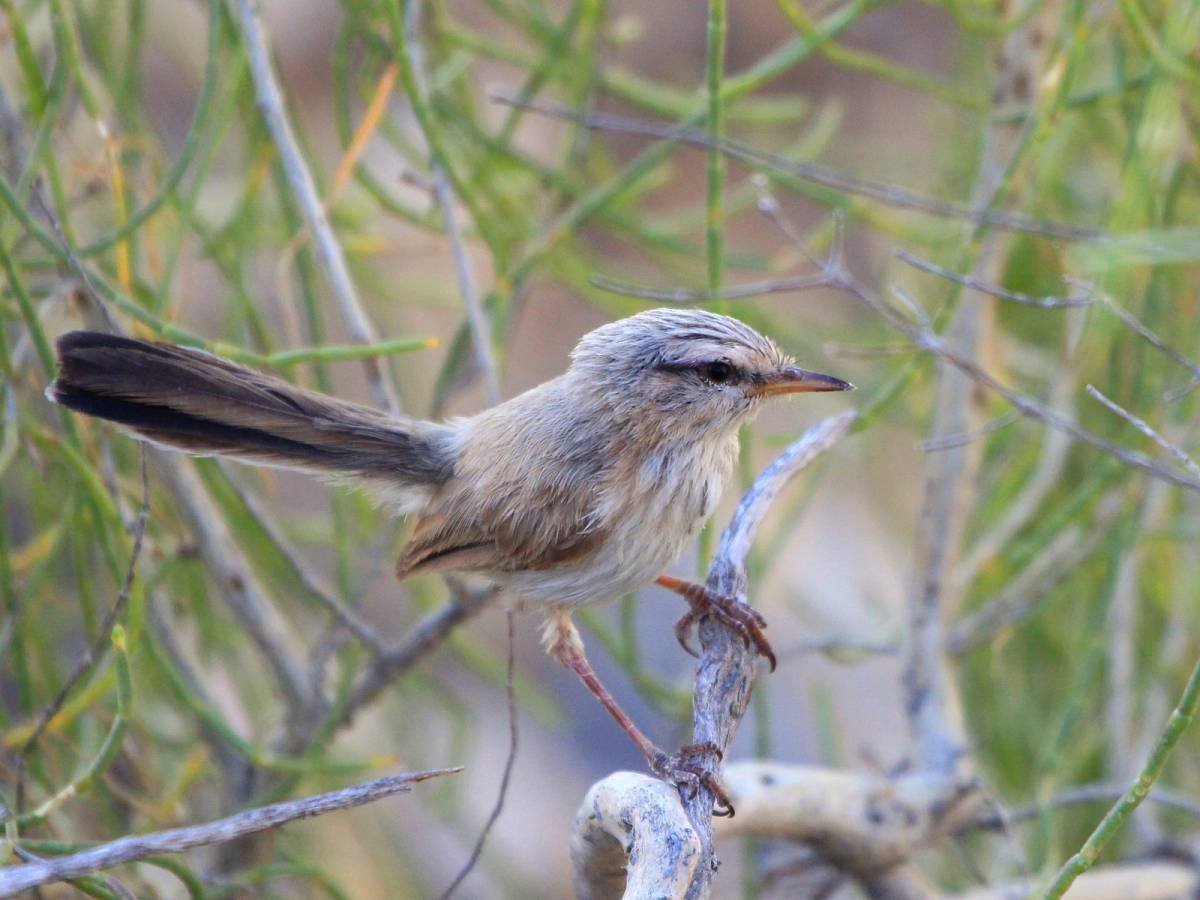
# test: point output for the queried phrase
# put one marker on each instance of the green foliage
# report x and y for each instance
(191, 231)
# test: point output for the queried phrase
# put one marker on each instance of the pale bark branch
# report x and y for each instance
(631, 838)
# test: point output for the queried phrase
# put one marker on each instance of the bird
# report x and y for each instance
(577, 491)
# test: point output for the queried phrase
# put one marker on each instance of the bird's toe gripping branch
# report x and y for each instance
(741, 617)
(685, 771)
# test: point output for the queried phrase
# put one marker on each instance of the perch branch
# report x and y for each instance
(726, 669)
(631, 838)
(15, 879)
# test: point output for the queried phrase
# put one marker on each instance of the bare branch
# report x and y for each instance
(817, 174)
(631, 838)
(15, 879)
(929, 697)
(425, 637)
(685, 296)
(983, 287)
(1144, 427)
(236, 581)
(726, 668)
(329, 251)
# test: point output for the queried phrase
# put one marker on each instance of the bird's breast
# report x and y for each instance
(651, 508)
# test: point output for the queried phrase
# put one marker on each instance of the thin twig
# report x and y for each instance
(424, 638)
(98, 303)
(511, 695)
(954, 441)
(983, 287)
(1134, 324)
(15, 879)
(1047, 471)
(237, 584)
(329, 251)
(818, 174)
(686, 296)
(311, 581)
(1088, 793)
(926, 340)
(477, 319)
(96, 650)
(840, 647)
(1144, 427)
(1022, 595)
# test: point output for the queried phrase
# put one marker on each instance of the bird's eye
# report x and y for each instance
(718, 372)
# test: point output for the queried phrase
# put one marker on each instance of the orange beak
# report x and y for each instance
(791, 380)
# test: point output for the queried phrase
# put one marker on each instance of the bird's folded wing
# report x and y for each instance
(517, 534)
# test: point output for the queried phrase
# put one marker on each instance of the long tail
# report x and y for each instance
(191, 400)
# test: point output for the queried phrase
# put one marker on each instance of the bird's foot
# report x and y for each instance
(741, 617)
(684, 769)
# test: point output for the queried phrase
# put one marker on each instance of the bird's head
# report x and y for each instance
(689, 369)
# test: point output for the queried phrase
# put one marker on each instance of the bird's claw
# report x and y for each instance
(684, 770)
(741, 617)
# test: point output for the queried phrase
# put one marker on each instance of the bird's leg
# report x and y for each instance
(561, 639)
(741, 617)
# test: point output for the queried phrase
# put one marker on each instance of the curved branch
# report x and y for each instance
(631, 837)
(726, 668)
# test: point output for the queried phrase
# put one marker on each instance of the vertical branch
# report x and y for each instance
(329, 251)
(725, 673)
(932, 703)
(714, 72)
(446, 200)
(929, 698)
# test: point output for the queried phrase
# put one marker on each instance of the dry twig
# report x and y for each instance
(15, 879)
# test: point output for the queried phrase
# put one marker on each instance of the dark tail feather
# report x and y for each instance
(191, 400)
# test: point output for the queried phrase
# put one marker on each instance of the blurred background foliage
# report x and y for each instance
(138, 168)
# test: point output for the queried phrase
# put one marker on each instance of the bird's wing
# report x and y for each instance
(525, 532)
(526, 494)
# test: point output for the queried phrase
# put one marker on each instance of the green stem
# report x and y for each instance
(1120, 812)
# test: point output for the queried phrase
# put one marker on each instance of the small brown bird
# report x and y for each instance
(577, 491)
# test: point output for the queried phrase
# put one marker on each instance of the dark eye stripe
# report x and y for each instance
(707, 370)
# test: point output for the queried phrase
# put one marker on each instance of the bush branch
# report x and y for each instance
(15, 879)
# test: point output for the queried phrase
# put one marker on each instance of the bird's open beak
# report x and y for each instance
(800, 381)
